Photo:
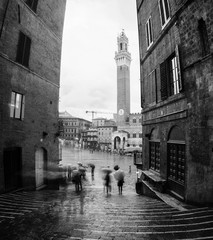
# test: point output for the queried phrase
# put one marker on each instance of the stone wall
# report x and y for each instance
(39, 83)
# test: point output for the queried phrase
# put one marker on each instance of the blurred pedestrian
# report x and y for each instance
(76, 179)
(107, 182)
(106, 176)
(69, 172)
(92, 166)
(119, 176)
(120, 185)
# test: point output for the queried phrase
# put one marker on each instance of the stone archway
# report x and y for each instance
(117, 141)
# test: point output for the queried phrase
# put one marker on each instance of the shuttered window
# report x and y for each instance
(23, 49)
(171, 82)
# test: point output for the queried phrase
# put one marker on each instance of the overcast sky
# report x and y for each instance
(88, 69)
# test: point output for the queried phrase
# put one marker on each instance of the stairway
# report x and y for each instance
(92, 214)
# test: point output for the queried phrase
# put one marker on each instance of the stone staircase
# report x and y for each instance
(93, 215)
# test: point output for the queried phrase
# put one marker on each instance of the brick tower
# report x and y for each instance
(123, 60)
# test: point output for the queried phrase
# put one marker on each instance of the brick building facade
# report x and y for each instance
(30, 56)
(176, 46)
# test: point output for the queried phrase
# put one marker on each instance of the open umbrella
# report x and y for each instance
(133, 149)
(82, 169)
(91, 165)
(106, 170)
(119, 174)
(75, 172)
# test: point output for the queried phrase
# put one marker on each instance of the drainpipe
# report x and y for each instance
(5, 12)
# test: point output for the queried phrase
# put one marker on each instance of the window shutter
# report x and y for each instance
(163, 78)
(32, 4)
(27, 52)
(22, 107)
(147, 34)
(156, 87)
(12, 105)
(178, 68)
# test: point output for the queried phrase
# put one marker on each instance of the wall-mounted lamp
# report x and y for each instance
(147, 135)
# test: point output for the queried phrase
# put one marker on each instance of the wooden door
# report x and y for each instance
(39, 167)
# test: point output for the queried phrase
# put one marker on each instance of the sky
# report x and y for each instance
(88, 80)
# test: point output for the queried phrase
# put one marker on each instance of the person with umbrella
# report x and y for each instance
(107, 179)
(119, 176)
(82, 169)
(76, 179)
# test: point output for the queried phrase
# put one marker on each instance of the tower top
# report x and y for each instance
(122, 56)
(122, 37)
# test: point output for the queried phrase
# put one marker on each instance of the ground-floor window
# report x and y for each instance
(176, 158)
(176, 155)
(155, 156)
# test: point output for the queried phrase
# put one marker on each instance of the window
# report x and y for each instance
(17, 106)
(176, 160)
(140, 135)
(154, 150)
(134, 135)
(164, 12)
(121, 46)
(149, 38)
(134, 120)
(32, 4)
(170, 77)
(23, 49)
(204, 42)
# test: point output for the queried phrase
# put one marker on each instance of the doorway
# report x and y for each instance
(12, 159)
(40, 167)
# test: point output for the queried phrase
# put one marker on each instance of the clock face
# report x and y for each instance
(121, 112)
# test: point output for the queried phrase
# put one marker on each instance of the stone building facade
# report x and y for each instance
(105, 136)
(176, 46)
(133, 131)
(73, 127)
(97, 122)
(30, 56)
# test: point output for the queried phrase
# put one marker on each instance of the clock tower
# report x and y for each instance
(123, 60)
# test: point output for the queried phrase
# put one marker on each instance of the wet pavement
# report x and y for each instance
(91, 214)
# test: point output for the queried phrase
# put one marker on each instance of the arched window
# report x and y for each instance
(154, 148)
(176, 159)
